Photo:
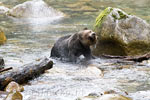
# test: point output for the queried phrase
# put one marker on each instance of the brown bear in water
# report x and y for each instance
(70, 47)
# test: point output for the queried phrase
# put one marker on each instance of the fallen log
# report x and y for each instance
(25, 73)
(5, 69)
(129, 58)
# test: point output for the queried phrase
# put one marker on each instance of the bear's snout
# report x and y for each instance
(92, 37)
(93, 34)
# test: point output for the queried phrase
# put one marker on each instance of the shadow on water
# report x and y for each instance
(31, 39)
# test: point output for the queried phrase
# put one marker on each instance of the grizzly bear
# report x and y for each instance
(70, 47)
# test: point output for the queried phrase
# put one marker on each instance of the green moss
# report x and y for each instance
(122, 16)
(114, 16)
(138, 48)
(129, 14)
(104, 13)
(101, 16)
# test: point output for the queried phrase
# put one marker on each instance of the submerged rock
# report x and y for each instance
(91, 71)
(105, 97)
(34, 9)
(121, 34)
(13, 86)
(2, 37)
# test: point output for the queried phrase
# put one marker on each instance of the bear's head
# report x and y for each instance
(87, 37)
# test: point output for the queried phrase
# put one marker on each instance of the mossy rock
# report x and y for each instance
(2, 37)
(121, 34)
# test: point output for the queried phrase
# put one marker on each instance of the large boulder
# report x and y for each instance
(121, 34)
(2, 37)
(34, 9)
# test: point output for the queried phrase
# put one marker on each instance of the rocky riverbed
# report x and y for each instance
(28, 41)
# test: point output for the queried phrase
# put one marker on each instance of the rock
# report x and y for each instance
(13, 86)
(121, 34)
(2, 63)
(2, 37)
(113, 97)
(34, 9)
(3, 9)
(90, 71)
(110, 92)
(105, 97)
(14, 96)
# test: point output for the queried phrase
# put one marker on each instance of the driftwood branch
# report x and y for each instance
(129, 58)
(113, 57)
(139, 58)
(25, 73)
(5, 69)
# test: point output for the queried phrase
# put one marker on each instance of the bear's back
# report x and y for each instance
(60, 48)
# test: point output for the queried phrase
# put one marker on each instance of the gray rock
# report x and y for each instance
(1, 63)
(121, 34)
(3, 9)
(34, 9)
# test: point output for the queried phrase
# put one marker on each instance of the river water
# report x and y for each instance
(32, 40)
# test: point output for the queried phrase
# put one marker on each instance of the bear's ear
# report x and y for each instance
(85, 28)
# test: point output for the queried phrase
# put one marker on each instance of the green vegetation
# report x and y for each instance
(104, 13)
(122, 16)
(101, 16)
